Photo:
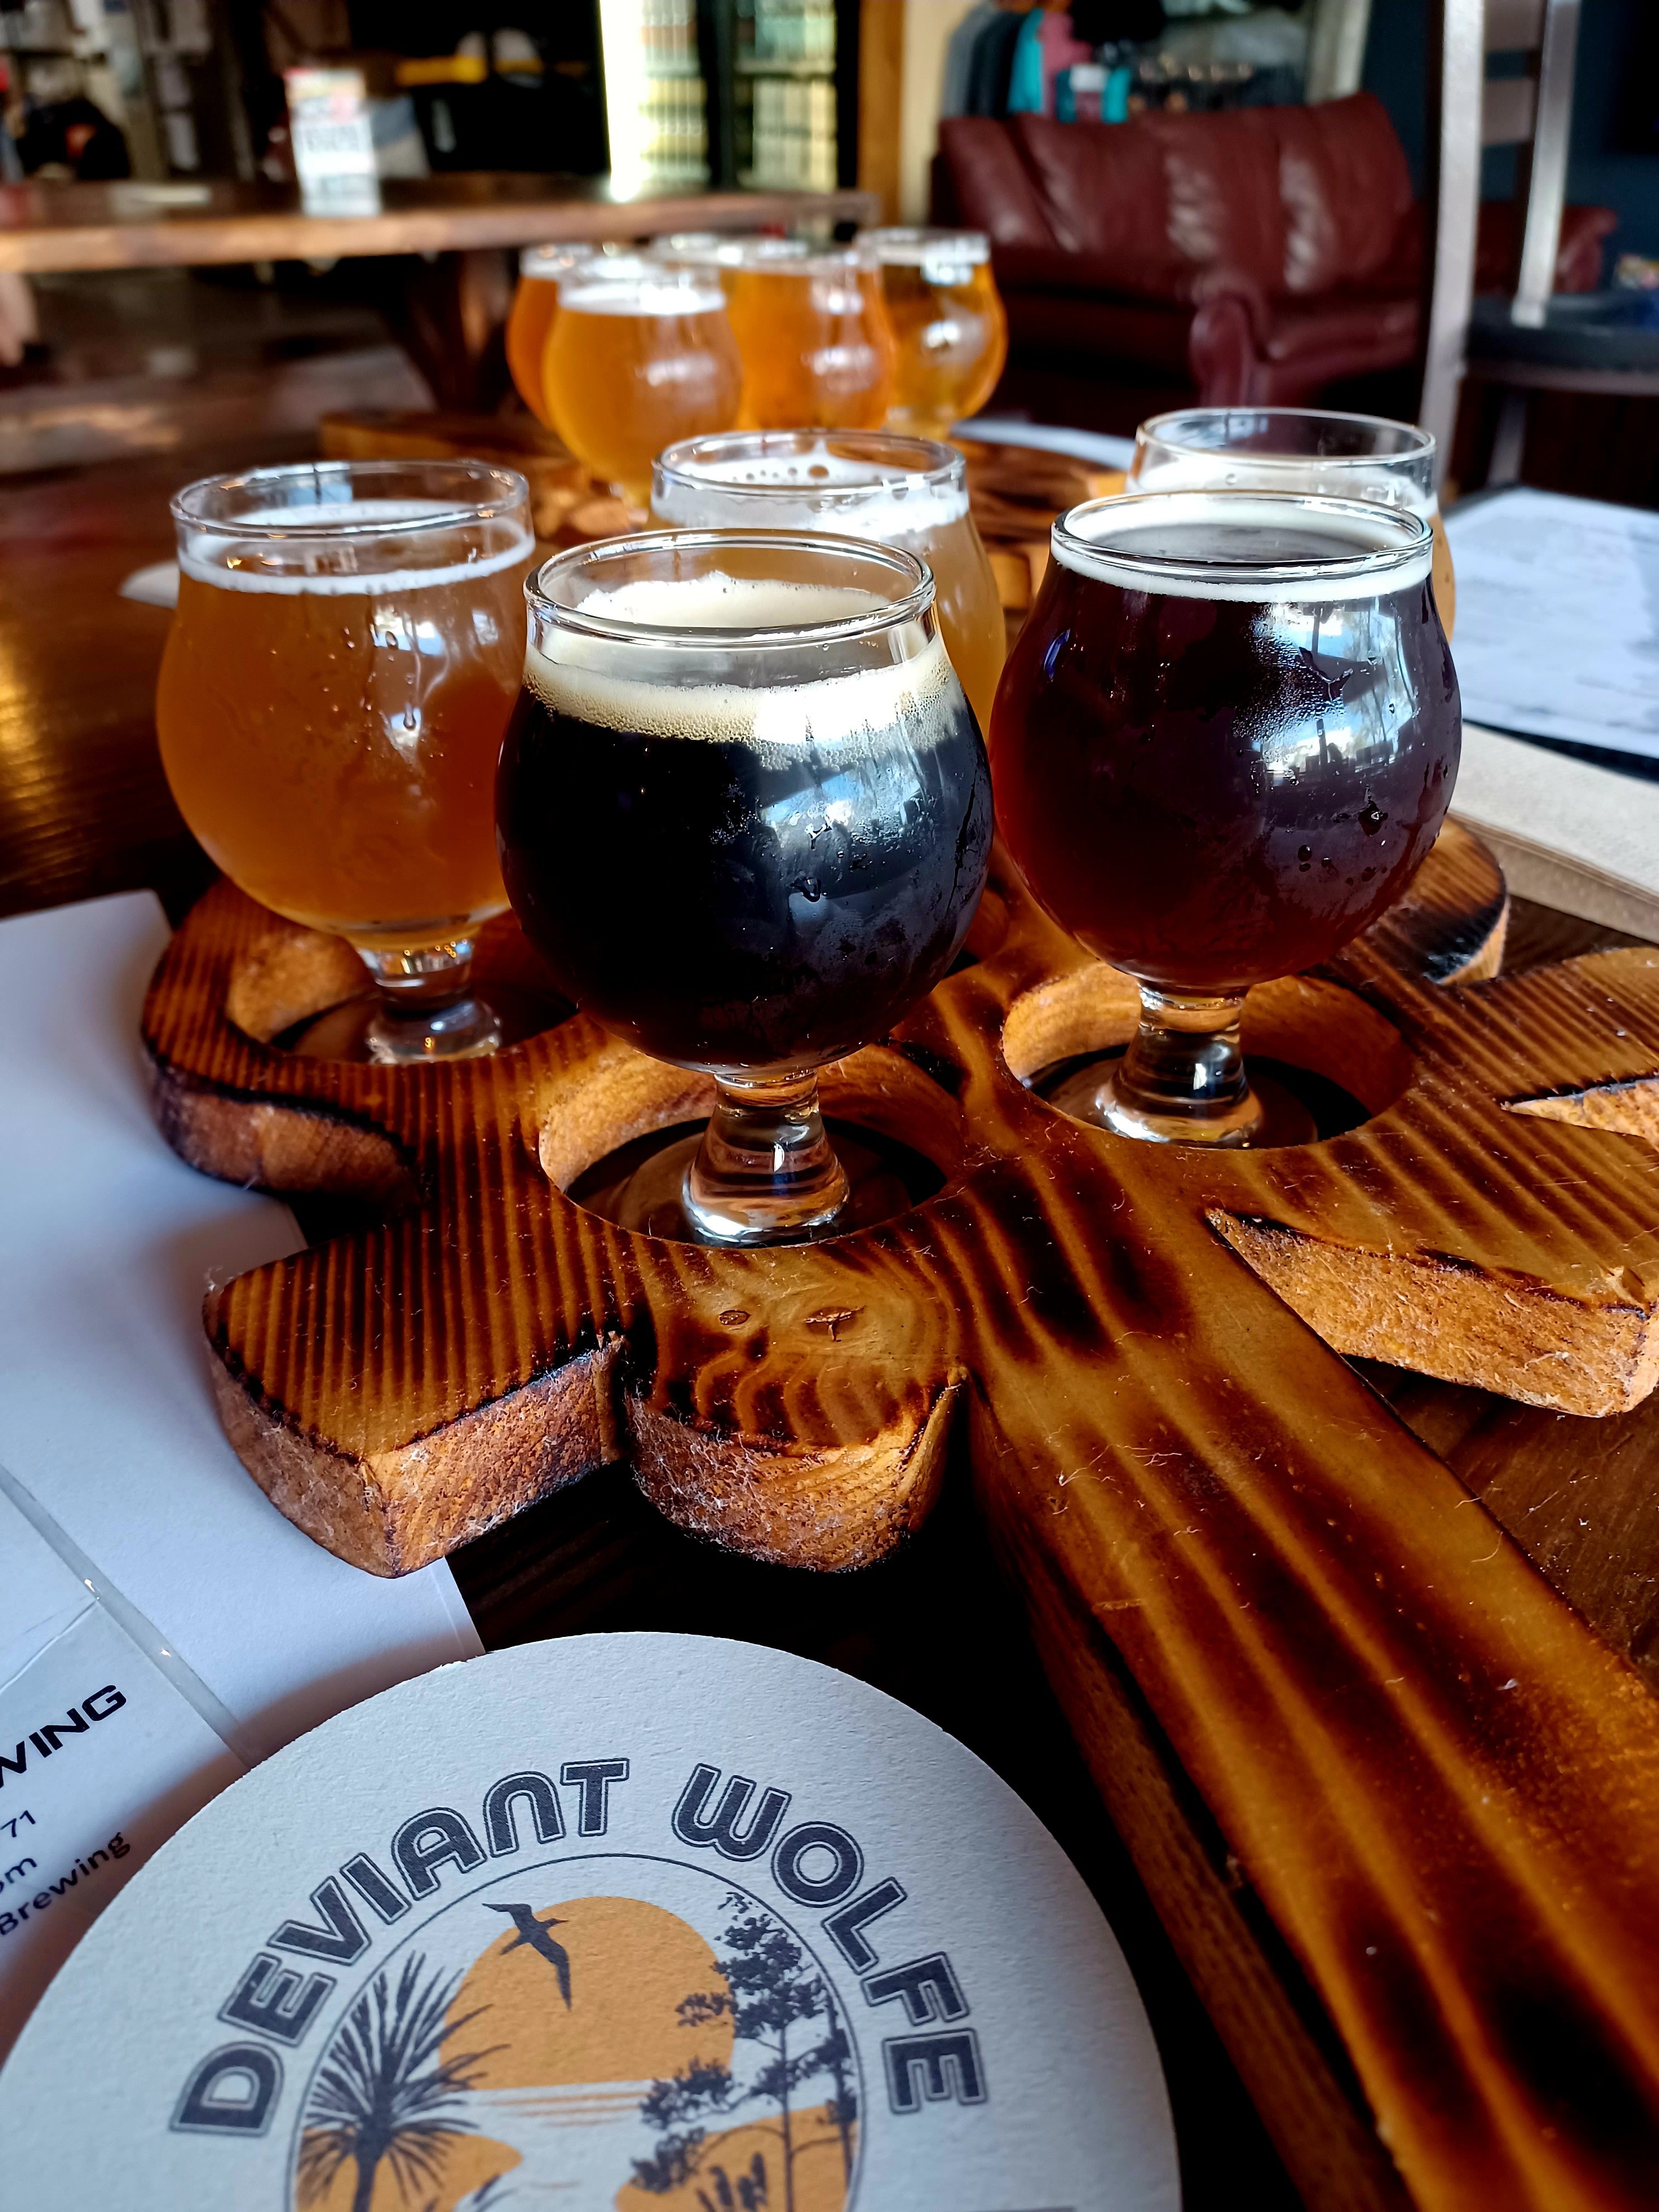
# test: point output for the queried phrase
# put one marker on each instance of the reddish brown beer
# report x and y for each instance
(1227, 733)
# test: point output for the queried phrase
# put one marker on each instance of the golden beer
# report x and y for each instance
(949, 325)
(902, 492)
(337, 678)
(1299, 449)
(640, 355)
(535, 308)
(813, 330)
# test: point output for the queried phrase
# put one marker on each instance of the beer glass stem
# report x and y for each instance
(1183, 1079)
(765, 1172)
(427, 1009)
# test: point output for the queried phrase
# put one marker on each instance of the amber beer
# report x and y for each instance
(641, 354)
(1227, 733)
(535, 311)
(949, 325)
(813, 330)
(335, 684)
(905, 492)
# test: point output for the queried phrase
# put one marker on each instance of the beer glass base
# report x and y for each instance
(763, 1172)
(1182, 1081)
(426, 1010)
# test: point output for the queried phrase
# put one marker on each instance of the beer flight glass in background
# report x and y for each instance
(745, 816)
(347, 650)
(1224, 742)
(949, 329)
(640, 353)
(813, 332)
(534, 312)
(1298, 449)
(902, 327)
(901, 491)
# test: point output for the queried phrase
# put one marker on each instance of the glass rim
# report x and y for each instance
(675, 462)
(1416, 538)
(510, 491)
(758, 249)
(1422, 444)
(628, 630)
(947, 243)
(640, 269)
(569, 250)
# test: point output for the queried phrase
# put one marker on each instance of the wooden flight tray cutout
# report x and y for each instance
(1429, 1773)
(399, 1390)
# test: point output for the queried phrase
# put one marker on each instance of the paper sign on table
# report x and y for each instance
(102, 1754)
(108, 1428)
(1558, 618)
(620, 1922)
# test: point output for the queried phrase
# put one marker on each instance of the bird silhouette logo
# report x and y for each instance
(534, 1933)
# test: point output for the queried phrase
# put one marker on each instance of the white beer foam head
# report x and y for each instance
(1098, 540)
(810, 487)
(655, 292)
(1332, 475)
(205, 554)
(858, 710)
(912, 249)
(716, 601)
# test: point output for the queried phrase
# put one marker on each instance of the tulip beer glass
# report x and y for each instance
(642, 353)
(812, 329)
(852, 483)
(1224, 742)
(1298, 449)
(535, 311)
(948, 324)
(337, 681)
(744, 814)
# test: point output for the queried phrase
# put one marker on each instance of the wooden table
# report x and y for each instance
(446, 312)
(83, 810)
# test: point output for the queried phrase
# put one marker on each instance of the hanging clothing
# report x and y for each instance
(1043, 51)
(959, 57)
(992, 61)
(1025, 78)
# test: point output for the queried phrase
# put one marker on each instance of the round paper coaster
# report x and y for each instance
(615, 1924)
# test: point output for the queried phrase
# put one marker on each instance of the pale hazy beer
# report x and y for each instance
(905, 492)
(641, 354)
(535, 311)
(346, 652)
(813, 330)
(949, 325)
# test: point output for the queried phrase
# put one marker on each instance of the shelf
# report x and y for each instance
(747, 66)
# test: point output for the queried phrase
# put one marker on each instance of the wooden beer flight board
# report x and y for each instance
(1262, 1601)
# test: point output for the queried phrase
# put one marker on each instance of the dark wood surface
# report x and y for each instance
(83, 810)
(47, 227)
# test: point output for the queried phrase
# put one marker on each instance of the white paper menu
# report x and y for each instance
(612, 1923)
(108, 1431)
(1558, 618)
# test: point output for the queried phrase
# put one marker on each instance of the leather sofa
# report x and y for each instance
(1255, 256)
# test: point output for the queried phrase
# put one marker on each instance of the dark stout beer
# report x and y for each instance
(1225, 738)
(736, 875)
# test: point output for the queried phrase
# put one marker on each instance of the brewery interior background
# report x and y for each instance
(767, 92)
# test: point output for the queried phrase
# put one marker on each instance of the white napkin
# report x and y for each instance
(157, 585)
(107, 1241)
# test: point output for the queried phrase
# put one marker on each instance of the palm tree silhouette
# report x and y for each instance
(534, 1933)
(387, 2090)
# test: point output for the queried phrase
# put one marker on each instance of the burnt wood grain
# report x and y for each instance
(1434, 1776)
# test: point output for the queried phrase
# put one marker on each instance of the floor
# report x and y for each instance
(157, 361)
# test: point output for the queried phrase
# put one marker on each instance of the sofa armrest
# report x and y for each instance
(1222, 349)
